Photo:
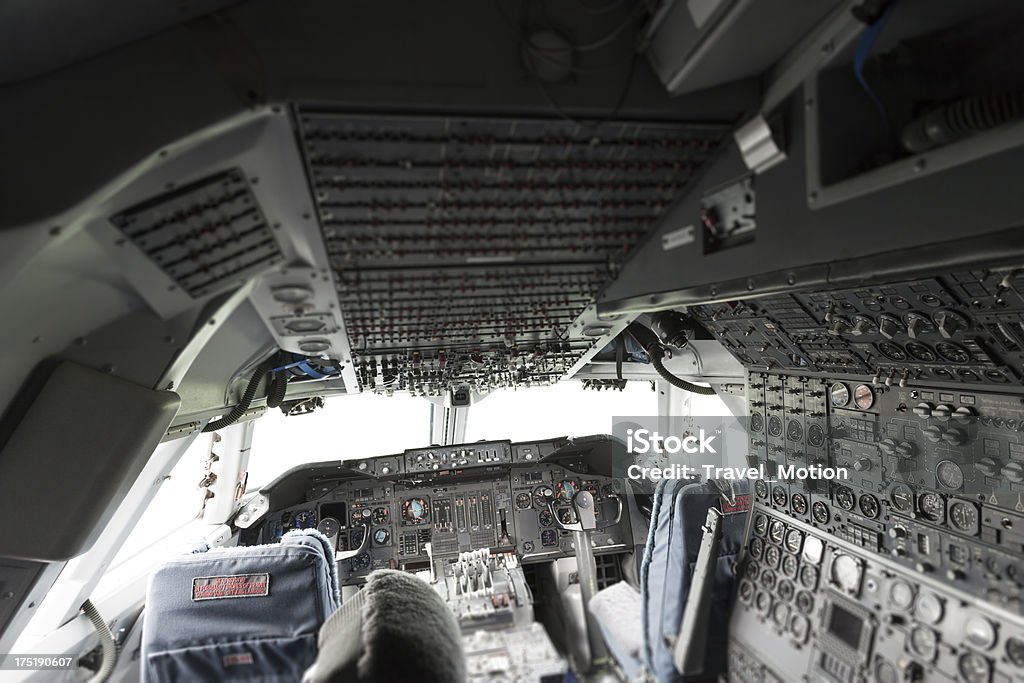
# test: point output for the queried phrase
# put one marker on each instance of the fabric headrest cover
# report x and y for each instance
(397, 628)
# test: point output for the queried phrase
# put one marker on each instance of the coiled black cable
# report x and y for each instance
(652, 346)
(676, 381)
(248, 395)
(277, 389)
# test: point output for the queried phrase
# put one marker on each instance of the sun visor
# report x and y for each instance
(71, 445)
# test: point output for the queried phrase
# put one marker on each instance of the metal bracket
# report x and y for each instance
(758, 146)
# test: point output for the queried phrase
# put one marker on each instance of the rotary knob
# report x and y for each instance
(942, 412)
(933, 433)
(887, 446)
(954, 437)
(923, 410)
(906, 449)
(949, 323)
(1014, 471)
(898, 532)
(990, 467)
(916, 327)
(861, 325)
(888, 326)
(963, 414)
(862, 464)
(839, 326)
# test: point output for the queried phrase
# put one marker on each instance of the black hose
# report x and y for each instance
(961, 118)
(676, 381)
(277, 389)
(655, 351)
(238, 411)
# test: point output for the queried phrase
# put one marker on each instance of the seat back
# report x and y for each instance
(240, 614)
(680, 510)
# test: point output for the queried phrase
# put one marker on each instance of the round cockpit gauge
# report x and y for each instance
(845, 498)
(772, 556)
(756, 548)
(892, 351)
(868, 505)
(974, 668)
(360, 563)
(776, 532)
(979, 632)
(819, 511)
(931, 507)
(929, 608)
(756, 423)
(885, 672)
(763, 601)
(304, 519)
(760, 524)
(813, 549)
(775, 425)
(329, 526)
(964, 517)
(952, 352)
(593, 490)
(790, 566)
(799, 627)
(923, 642)
(415, 510)
(381, 515)
(381, 536)
(545, 518)
(1015, 652)
(920, 352)
(902, 498)
(863, 396)
(794, 539)
(612, 489)
(839, 394)
(809, 577)
(949, 475)
(901, 595)
(761, 489)
(845, 573)
(524, 500)
(566, 489)
(815, 436)
(566, 515)
(799, 503)
(794, 431)
(543, 495)
(805, 601)
(768, 579)
(779, 496)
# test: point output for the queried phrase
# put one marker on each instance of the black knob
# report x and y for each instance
(916, 327)
(1014, 471)
(923, 410)
(954, 437)
(888, 326)
(990, 467)
(949, 323)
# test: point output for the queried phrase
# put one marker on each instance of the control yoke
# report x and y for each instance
(363, 545)
(584, 518)
(583, 523)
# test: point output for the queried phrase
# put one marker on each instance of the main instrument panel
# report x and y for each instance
(442, 501)
(911, 568)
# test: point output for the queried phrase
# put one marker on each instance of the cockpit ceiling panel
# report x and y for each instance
(207, 236)
(485, 235)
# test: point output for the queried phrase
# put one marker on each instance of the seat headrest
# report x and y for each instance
(397, 628)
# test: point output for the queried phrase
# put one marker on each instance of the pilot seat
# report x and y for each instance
(244, 613)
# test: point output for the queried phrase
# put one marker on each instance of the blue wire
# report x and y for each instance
(864, 46)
